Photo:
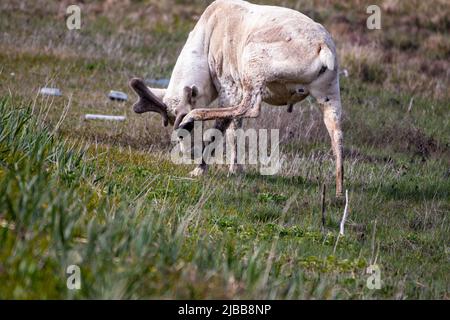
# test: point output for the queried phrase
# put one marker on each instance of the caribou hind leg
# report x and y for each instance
(327, 93)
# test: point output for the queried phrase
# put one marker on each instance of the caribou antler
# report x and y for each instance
(148, 101)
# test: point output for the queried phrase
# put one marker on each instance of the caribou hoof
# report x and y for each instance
(235, 170)
(338, 200)
(187, 123)
(198, 172)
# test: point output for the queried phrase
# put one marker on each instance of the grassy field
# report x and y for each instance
(106, 196)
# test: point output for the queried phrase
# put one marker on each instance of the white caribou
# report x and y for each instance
(244, 54)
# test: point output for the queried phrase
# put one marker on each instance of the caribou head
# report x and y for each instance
(172, 111)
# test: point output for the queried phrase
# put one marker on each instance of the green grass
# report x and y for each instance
(139, 229)
(106, 196)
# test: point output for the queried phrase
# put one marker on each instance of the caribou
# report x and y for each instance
(241, 55)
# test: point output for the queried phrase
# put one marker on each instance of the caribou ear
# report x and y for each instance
(190, 94)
